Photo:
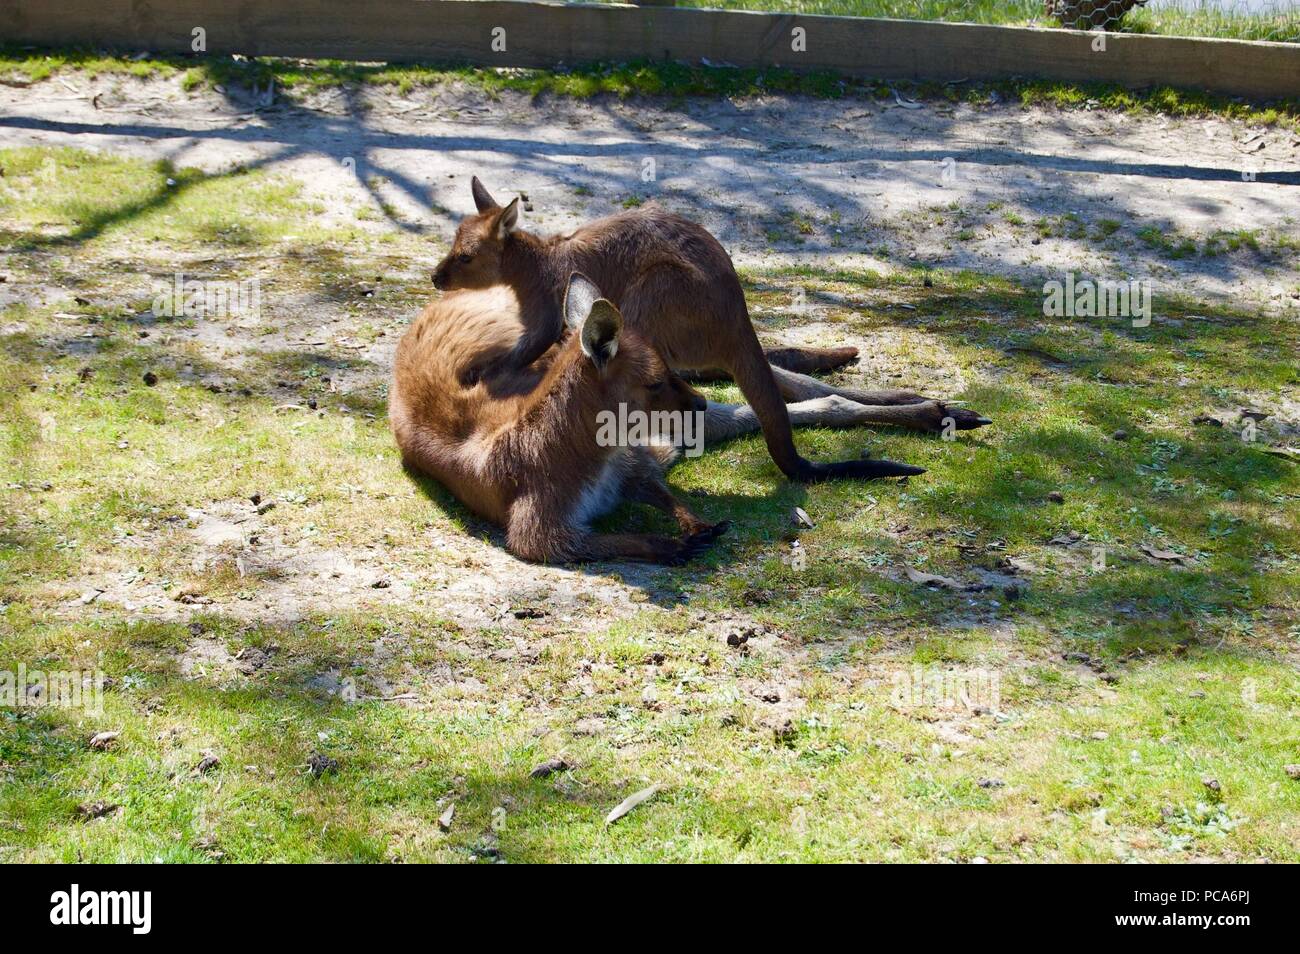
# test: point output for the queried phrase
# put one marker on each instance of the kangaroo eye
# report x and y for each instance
(464, 259)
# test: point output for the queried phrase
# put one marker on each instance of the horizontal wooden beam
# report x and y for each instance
(539, 34)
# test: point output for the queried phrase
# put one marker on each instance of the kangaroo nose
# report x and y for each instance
(439, 281)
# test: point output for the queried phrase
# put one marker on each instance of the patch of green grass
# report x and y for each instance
(1174, 246)
(1068, 773)
(672, 80)
(1067, 225)
(1105, 228)
(67, 196)
(37, 65)
(1183, 20)
(1231, 241)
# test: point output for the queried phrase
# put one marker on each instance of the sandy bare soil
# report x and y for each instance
(780, 179)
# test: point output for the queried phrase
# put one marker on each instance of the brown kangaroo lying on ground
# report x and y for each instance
(522, 449)
(675, 284)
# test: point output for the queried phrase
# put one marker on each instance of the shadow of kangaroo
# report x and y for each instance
(675, 285)
(525, 452)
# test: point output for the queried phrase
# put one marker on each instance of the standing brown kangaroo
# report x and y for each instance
(523, 449)
(675, 285)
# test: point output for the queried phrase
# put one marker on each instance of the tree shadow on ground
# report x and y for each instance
(701, 178)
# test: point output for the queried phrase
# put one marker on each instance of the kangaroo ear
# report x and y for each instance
(482, 198)
(600, 333)
(596, 319)
(579, 298)
(509, 220)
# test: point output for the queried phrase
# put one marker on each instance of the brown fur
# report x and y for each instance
(675, 286)
(520, 449)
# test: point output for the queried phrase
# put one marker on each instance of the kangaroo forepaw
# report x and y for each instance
(716, 530)
(690, 547)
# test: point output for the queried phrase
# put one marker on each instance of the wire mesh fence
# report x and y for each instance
(1274, 20)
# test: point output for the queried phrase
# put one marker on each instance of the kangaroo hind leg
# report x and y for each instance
(903, 408)
(810, 360)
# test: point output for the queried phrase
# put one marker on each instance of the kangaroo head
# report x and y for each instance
(630, 369)
(475, 257)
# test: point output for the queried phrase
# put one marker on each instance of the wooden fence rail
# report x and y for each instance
(539, 34)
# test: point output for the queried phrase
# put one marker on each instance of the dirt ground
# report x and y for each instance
(887, 182)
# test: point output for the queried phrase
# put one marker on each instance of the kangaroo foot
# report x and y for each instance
(797, 388)
(931, 416)
(966, 419)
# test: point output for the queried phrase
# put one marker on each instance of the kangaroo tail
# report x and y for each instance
(860, 470)
(753, 374)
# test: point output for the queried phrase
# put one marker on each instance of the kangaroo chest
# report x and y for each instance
(600, 494)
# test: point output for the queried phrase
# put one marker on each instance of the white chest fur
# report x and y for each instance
(601, 494)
